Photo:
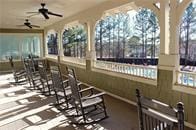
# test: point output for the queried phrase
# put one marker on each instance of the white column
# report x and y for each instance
(174, 32)
(60, 46)
(90, 52)
(166, 60)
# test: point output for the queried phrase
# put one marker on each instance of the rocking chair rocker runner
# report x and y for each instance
(154, 115)
(88, 107)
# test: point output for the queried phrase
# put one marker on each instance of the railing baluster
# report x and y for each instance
(141, 71)
(186, 78)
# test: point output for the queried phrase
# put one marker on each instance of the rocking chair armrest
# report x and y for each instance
(79, 83)
(86, 89)
(94, 96)
(67, 88)
(65, 81)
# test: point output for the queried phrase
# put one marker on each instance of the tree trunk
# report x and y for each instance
(101, 35)
(113, 48)
(118, 44)
(187, 44)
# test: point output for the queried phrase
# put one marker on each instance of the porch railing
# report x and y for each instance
(136, 70)
(186, 78)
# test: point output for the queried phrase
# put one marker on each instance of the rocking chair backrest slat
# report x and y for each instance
(155, 115)
(56, 79)
(42, 71)
(156, 105)
(33, 64)
(74, 89)
(28, 69)
(57, 68)
(71, 71)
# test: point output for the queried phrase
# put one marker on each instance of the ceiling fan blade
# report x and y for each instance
(29, 26)
(20, 25)
(35, 26)
(45, 15)
(32, 12)
(59, 15)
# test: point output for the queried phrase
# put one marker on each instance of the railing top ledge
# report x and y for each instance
(186, 72)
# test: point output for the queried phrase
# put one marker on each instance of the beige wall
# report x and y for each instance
(125, 88)
(5, 66)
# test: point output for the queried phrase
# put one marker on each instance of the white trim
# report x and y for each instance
(192, 126)
(126, 76)
(184, 89)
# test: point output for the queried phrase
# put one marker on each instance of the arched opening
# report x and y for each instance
(187, 39)
(52, 42)
(132, 37)
(74, 40)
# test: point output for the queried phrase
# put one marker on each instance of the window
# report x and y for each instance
(52, 43)
(131, 37)
(17, 45)
(74, 42)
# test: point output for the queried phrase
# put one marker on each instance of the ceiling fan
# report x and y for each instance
(45, 12)
(28, 24)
